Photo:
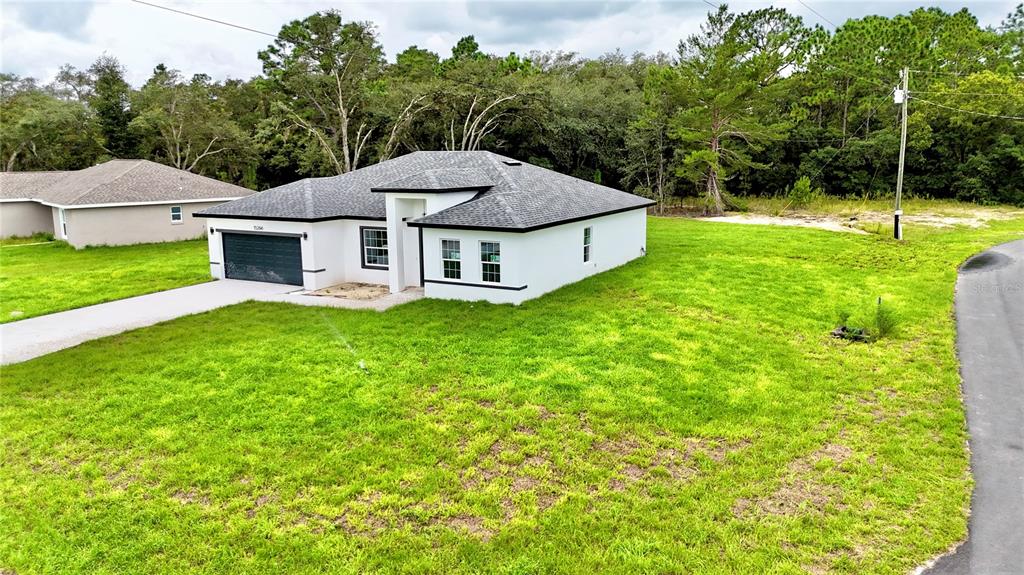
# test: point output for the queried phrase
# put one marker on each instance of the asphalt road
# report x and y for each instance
(990, 342)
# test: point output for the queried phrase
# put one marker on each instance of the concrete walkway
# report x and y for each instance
(990, 342)
(33, 337)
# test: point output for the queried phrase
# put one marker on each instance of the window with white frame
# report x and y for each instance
(490, 262)
(375, 247)
(176, 214)
(451, 259)
(63, 223)
(587, 236)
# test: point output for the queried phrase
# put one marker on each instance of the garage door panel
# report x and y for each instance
(276, 259)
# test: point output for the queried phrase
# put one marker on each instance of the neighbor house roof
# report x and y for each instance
(26, 185)
(116, 182)
(511, 195)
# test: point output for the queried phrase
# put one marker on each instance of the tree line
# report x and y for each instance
(751, 104)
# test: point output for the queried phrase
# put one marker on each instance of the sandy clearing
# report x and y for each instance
(975, 219)
(821, 222)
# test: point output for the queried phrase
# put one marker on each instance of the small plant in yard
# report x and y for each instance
(845, 331)
(885, 320)
(883, 324)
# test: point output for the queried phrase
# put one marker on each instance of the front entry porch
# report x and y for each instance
(405, 268)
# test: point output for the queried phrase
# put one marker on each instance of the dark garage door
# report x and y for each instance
(276, 259)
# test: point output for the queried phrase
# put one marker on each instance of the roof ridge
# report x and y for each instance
(508, 209)
(136, 164)
(307, 197)
(493, 158)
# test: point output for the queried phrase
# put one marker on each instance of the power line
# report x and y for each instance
(960, 74)
(820, 15)
(214, 20)
(712, 4)
(954, 93)
(843, 147)
(293, 42)
(969, 111)
(937, 72)
(858, 77)
(775, 140)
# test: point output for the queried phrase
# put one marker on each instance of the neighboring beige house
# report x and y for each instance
(115, 203)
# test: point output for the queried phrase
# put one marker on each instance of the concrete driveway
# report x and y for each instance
(990, 342)
(33, 337)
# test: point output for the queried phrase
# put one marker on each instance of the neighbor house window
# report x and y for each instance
(175, 214)
(587, 235)
(490, 262)
(375, 247)
(451, 259)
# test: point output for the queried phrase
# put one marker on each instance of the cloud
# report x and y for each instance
(525, 13)
(63, 18)
(36, 38)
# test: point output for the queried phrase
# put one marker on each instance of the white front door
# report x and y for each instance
(411, 245)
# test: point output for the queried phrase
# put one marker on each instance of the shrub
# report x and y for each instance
(800, 194)
(885, 320)
(883, 324)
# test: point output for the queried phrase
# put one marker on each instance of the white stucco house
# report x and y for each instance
(463, 225)
(114, 203)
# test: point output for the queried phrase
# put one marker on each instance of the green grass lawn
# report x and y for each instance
(685, 413)
(51, 277)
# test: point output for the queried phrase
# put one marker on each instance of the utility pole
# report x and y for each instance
(901, 98)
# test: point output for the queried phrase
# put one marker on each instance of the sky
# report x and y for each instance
(38, 36)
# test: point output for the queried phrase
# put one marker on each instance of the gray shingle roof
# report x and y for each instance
(116, 182)
(441, 180)
(26, 185)
(520, 197)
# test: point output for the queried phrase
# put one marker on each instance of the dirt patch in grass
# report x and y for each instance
(877, 403)
(470, 524)
(832, 451)
(371, 521)
(259, 503)
(797, 495)
(663, 457)
(524, 483)
(191, 497)
(121, 479)
(826, 563)
(620, 447)
(521, 480)
(802, 489)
